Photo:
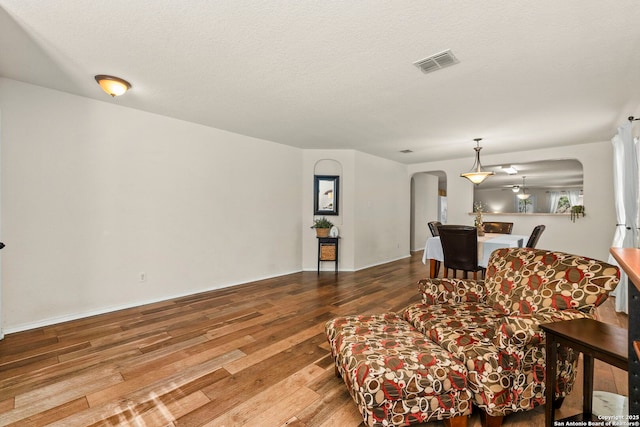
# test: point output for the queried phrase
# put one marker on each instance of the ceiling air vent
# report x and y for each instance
(406, 151)
(437, 61)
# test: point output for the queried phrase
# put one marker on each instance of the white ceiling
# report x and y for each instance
(339, 74)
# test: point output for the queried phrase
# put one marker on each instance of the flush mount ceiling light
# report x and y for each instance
(476, 174)
(114, 86)
(523, 195)
(510, 170)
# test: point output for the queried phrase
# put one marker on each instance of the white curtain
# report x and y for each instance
(574, 197)
(554, 199)
(625, 187)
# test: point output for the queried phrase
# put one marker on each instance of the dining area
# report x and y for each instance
(463, 248)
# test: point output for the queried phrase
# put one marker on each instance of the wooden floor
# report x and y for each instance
(251, 355)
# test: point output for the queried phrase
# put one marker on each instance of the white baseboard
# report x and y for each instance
(330, 269)
(383, 262)
(82, 314)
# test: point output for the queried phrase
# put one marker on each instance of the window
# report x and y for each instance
(560, 202)
(526, 205)
(563, 205)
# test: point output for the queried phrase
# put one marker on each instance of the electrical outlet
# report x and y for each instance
(143, 276)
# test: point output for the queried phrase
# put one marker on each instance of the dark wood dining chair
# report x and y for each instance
(460, 248)
(433, 227)
(535, 236)
(497, 227)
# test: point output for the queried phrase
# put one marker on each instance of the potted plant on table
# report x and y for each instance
(322, 226)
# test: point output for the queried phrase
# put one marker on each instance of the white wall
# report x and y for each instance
(94, 193)
(374, 210)
(424, 206)
(589, 236)
(382, 211)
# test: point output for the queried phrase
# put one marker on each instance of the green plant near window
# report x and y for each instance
(576, 212)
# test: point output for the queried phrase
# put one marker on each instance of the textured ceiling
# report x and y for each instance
(339, 74)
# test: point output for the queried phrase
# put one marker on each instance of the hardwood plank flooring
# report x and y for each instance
(250, 355)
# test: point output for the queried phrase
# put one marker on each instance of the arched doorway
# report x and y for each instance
(428, 203)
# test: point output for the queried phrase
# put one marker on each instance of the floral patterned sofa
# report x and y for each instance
(491, 325)
(469, 341)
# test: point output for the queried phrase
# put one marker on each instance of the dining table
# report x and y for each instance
(487, 243)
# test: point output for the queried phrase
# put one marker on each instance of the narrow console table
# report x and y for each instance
(328, 250)
(595, 340)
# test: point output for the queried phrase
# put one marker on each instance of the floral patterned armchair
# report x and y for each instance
(492, 324)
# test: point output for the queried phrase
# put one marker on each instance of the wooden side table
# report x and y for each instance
(595, 340)
(328, 250)
(629, 261)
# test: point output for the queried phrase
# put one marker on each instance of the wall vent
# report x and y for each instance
(437, 61)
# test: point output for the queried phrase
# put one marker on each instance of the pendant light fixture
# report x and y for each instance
(523, 195)
(114, 86)
(476, 174)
